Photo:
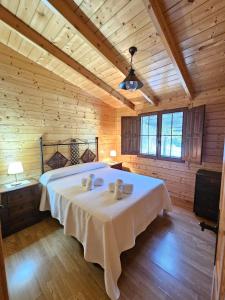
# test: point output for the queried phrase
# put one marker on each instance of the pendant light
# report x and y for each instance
(131, 82)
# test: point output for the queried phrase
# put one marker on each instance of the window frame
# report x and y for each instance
(159, 114)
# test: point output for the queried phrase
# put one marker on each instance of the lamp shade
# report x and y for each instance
(131, 82)
(113, 153)
(15, 167)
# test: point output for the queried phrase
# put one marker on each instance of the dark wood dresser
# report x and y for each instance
(20, 207)
(207, 194)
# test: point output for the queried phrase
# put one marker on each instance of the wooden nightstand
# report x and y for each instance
(20, 206)
(116, 165)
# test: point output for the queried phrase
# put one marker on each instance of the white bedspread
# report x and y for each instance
(104, 226)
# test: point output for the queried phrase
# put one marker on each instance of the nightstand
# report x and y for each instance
(116, 165)
(20, 206)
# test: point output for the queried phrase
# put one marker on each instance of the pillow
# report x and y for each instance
(67, 171)
(57, 161)
(87, 156)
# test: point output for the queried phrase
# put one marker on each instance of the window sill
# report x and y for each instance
(147, 156)
(162, 158)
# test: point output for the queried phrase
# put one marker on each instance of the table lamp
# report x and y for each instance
(15, 168)
(112, 153)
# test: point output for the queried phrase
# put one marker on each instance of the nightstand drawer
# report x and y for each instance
(24, 196)
(4, 214)
(19, 224)
(21, 209)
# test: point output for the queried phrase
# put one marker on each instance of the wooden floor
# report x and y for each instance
(172, 259)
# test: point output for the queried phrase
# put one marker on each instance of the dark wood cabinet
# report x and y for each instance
(20, 207)
(207, 194)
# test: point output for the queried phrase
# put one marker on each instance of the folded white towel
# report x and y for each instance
(98, 182)
(89, 184)
(83, 181)
(118, 193)
(118, 190)
(119, 182)
(128, 188)
(111, 187)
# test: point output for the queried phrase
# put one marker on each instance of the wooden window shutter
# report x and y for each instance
(194, 134)
(130, 135)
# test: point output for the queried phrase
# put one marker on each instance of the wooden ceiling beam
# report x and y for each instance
(21, 27)
(157, 17)
(68, 9)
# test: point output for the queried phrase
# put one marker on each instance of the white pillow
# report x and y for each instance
(66, 171)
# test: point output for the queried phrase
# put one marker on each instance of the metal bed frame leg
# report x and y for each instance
(42, 155)
(96, 142)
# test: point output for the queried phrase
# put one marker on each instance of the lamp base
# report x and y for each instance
(16, 183)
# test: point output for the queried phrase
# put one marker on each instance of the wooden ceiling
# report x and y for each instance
(181, 44)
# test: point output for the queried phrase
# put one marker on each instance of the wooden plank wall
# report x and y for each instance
(180, 177)
(35, 102)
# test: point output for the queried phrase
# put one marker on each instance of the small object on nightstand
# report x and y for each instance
(20, 206)
(17, 183)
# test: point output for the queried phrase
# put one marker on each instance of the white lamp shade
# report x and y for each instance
(15, 167)
(113, 153)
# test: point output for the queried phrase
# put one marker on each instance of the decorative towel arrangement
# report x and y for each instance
(89, 183)
(119, 188)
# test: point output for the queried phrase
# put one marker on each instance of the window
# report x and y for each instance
(161, 135)
(171, 135)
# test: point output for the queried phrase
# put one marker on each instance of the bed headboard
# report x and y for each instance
(82, 148)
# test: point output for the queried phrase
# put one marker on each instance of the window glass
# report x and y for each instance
(166, 145)
(144, 125)
(152, 145)
(177, 123)
(153, 125)
(171, 135)
(144, 144)
(148, 139)
(166, 124)
(176, 146)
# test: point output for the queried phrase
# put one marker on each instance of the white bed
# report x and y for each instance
(104, 226)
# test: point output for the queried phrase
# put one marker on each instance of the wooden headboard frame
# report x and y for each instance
(60, 143)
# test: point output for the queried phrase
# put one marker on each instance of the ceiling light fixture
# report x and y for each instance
(131, 82)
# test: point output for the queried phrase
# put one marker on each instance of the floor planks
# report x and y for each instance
(172, 259)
